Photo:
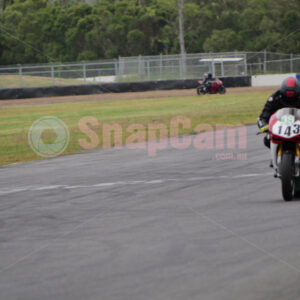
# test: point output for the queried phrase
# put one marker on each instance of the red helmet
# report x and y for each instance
(290, 87)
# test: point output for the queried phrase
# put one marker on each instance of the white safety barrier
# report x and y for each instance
(270, 80)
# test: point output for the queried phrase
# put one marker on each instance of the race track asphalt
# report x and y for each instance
(121, 225)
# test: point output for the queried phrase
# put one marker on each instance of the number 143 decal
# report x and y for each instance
(289, 130)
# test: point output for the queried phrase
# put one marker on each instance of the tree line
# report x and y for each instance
(37, 31)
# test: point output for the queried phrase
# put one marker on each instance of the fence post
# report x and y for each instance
(291, 62)
(222, 67)
(116, 71)
(140, 67)
(180, 67)
(245, 64)
(52, 75)
(148, 68)
(20, 75)
(84, 71)
(213, 69)
(160, 66)
(265, 61)
(121, 67)
(183, 65)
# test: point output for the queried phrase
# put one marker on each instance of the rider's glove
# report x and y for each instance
(264, 128)
(262, 125)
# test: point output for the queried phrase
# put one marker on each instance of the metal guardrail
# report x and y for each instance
(144, 68)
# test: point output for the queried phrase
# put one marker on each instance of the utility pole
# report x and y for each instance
(181, 26)
(181, 39)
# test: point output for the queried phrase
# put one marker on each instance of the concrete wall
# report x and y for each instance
(270, 80)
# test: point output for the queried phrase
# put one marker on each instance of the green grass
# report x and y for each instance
(234, 109)
(13, 81)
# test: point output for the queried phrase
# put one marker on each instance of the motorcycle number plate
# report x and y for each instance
(287, 128)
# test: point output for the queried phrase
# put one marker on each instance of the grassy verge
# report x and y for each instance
(234, 109)
(13, 81)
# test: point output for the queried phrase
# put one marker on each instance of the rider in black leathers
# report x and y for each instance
(207, 81)
(287, 96)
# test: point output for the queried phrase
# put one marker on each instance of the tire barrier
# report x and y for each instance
(54, 91)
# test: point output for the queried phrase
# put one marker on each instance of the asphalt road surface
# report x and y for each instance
(119, 224)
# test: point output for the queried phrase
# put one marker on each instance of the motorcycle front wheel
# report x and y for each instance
(200, 91)
(286, 169)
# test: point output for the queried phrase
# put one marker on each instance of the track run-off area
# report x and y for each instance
(120, 224)
(124, 96)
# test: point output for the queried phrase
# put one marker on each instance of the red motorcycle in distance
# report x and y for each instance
(216, 87)
(284, 130)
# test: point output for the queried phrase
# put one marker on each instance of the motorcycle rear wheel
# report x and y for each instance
(222, 90)
(286, 169)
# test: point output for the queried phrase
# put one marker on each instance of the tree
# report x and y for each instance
(33, 31)
(5, 3)
(222, 41)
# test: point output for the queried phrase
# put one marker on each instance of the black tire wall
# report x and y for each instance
(54, 91)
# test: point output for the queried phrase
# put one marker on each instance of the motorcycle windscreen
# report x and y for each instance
(288, 111)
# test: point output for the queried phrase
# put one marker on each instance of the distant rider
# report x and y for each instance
(207, 81)
(287, 96)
